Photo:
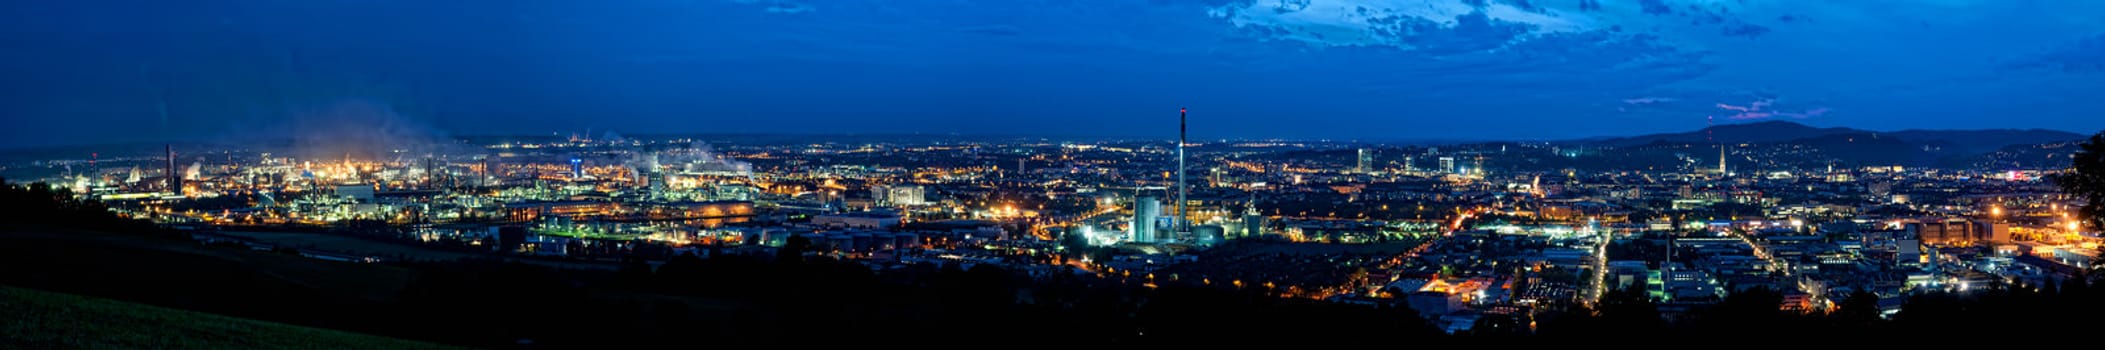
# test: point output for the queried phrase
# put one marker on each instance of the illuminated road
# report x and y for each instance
(1042, 232)
(1395, 264)
(1762, 252)
(1600, 268)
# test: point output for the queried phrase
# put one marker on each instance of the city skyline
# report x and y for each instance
(404, 174)
(1313, 70)
(428, 137)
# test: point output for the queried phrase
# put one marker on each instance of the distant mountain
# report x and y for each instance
(1956, 141)
(1733, 133)
(1760, 132)
(1910, 147)
(1982, 141)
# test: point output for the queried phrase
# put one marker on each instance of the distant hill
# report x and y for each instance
(1982, 141)
(1935, 148)
(1916, 147)
(1761, 132)
(47, 320)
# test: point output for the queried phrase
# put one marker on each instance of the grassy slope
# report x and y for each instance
(293, 290)
(183, 275)
(367, 281)
(45, 320)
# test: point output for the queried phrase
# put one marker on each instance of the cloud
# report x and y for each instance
(1759, 109)
(789, 8)
(1397, 23)
(1655, 7)
(1647, 100)
(355, 128)
(2084, 56)
(778, 6)
(995, 30)
(1750, 107)
(1745, 30)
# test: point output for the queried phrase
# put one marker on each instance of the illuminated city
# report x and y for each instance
(370, 222)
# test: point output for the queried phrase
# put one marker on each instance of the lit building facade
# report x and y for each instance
(1145, 211)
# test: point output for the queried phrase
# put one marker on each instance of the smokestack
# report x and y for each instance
(175, 178)
(1183, 213)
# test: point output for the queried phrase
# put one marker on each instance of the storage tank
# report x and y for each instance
(906, 241)
(884, 241)
(1208, 234)
(775, 237)
(763, 237)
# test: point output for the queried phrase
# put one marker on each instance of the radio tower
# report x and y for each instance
(1183, 213)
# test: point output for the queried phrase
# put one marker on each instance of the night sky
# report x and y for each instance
(87, 71)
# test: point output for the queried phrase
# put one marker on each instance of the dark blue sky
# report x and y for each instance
(87, 71)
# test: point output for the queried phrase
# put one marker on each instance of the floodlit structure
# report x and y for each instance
(1366, 162)
(1145, 210)
(899, 195)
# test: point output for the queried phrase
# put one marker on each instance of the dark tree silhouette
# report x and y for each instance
(1631, 310)
(1075, 244)
(681, 273)
(1498, 325)
(1860, 309)
(1757, 307)
(40, 204)
(634, 271)
(792, 250)
(2086, 179)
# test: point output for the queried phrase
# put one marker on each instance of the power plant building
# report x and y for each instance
(1145, 211)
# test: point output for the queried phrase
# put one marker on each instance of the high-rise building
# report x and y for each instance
(1366, 162)
(1447, 165)
(1145, 209)
(899, 195)
(657, 181)
(1953, 232)
(577, 168)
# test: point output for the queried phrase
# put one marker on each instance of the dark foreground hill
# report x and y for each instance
(46, 320)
